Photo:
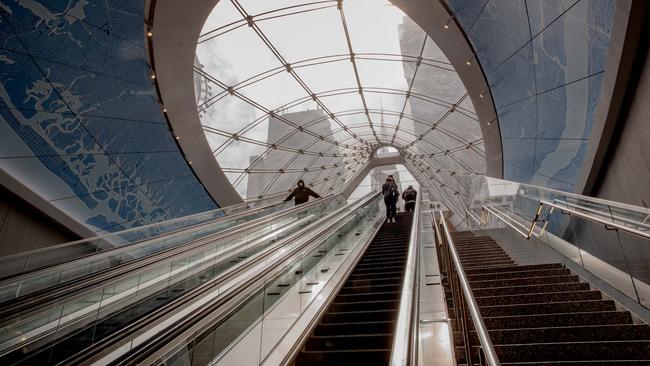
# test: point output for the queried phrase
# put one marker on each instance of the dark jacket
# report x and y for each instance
(301, 195)
(409, 195)
(385, 191)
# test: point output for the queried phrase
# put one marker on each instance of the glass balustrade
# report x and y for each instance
(190, 267)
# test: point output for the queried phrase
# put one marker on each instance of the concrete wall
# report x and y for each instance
(24, 228)
(625, 173)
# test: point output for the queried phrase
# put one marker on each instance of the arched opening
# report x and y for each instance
(293, 101)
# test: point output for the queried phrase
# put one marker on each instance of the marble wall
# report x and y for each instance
(544, 61)
(80, 123)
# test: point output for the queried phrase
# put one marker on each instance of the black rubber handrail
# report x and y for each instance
(39, 299)
(241, 292)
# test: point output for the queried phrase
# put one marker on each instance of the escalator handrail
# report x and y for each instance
(131, 245)
(39, 299)
(404, 350)
(110, 279)
(293, 348)
(58, 246)
(170, 338)
(472, 305)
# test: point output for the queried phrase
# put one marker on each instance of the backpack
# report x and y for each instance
(392, 191)
(409, 195)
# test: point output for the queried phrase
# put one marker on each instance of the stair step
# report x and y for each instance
(518, 290)
(645, 362)
(575, 351)
(556, 320)
(483, 249)
(479, 251)
(486, 246)
(549, 308)
(616, 332)
(524, 281)
(484, 257)
(470, 272)
(519, 274)
(539, 297)
(490, 264)
(486, 261)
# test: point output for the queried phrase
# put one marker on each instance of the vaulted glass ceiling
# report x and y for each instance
(308, 90)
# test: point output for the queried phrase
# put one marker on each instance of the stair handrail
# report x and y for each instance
(595, 218)
(481, 330)
(524, 231)
(633, 219)
(405, 341)
(474, 217)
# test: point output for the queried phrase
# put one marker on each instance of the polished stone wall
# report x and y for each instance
(80, 121)
(544, 62)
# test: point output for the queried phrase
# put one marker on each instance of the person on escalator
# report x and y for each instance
(409, 196)
(391, 194)
(301, 194)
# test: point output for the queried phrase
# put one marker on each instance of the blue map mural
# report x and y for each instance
(80, 123)
(544, 61)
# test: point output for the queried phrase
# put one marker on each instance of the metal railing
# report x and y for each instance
(533, 204)
(80, 294)
(605, 238)
(591, 215)
(462, 297)
(405, 342)
(151, 348)
(16, 264)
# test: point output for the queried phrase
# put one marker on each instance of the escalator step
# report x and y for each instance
(359, 324)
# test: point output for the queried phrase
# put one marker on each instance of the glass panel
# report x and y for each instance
(386, 56)
(605, 238)
(153, 285)
(254, 329)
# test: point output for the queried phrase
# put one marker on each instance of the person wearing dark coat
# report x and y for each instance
(409, 196)
(391, 194)
(301, 194)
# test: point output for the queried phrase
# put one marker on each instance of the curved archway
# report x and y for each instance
(332, 151)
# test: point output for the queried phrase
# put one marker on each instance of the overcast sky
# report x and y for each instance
(240, 54)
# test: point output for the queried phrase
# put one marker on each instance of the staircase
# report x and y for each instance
(358, 327)
(543, 314)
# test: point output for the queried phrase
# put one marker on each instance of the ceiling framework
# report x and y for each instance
(402, 93)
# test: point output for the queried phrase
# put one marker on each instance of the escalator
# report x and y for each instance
(542, 314)
(68, 346)
(359, 325)
(354, 265)
(337, 265)
(152, 288)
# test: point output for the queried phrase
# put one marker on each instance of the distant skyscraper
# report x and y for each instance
(202, 88)
(268, 179)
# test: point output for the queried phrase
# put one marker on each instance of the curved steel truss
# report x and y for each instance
(373, 76)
